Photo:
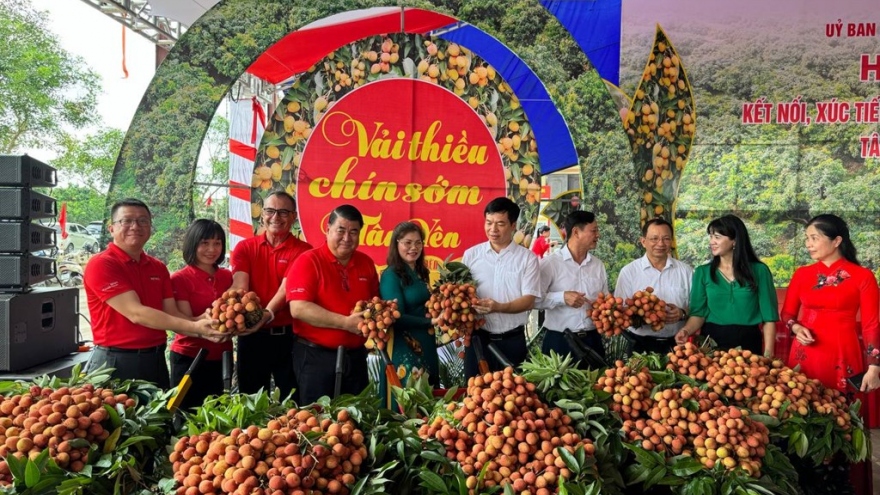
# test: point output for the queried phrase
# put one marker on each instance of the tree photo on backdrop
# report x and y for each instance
(775, 174)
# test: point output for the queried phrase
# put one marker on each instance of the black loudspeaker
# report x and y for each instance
(38, 326)
(17, 203)
(22, 170)
(16, 237)
(19, 236)
(19, 174)
(19, 271)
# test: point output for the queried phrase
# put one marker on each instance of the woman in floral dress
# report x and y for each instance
(820, 310)
(828, 295)
(405, 279)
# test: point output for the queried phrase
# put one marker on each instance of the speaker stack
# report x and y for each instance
(36, 324)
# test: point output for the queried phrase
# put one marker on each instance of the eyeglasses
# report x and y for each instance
(409, 244)
(128, 222)
(655, 240)
(268, 212)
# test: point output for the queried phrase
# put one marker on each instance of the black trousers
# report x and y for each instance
(512, 344)
(205, 380)
(555, 341)
(644, 344)
(263, 356)
(129, 364)
(730, 336)
(315, 369)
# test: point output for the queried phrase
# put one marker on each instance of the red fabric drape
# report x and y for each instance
(62, 220)
(260, 114)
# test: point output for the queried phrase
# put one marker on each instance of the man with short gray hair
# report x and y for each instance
(670, 279)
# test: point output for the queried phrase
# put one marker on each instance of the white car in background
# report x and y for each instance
(94, 228)
(78, 239)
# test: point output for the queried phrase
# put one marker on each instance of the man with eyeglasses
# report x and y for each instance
(260, 264)
(323, 287)
(131, 301)
(571, 278)
(671, 280)
(507, 285)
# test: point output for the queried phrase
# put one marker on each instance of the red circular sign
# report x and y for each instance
(401, 149)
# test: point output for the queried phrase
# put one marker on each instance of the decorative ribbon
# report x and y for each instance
(124, 68)
(240, 149)
(258, 113)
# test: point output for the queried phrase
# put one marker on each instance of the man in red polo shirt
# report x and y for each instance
(323, 286)
(260, 264)
(131, 302)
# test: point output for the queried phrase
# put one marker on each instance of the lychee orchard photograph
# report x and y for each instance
(533, 247)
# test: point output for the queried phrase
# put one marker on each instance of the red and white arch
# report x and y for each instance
(247, 120)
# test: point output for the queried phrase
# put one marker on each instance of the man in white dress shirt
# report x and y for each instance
(507, 285)
(671, 280)
(571, 278)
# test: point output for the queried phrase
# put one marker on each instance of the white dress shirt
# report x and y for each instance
(560, 273)
(503, 277)
(672, 285)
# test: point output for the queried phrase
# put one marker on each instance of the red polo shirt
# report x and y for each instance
(199, 288)
(266, 266)
(318, 277)
(113, 272)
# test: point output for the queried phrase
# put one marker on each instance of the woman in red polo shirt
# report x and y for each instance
(196, 286)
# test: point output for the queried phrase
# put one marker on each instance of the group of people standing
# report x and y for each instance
(133, 300)
(308, 294)
(721, 299)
